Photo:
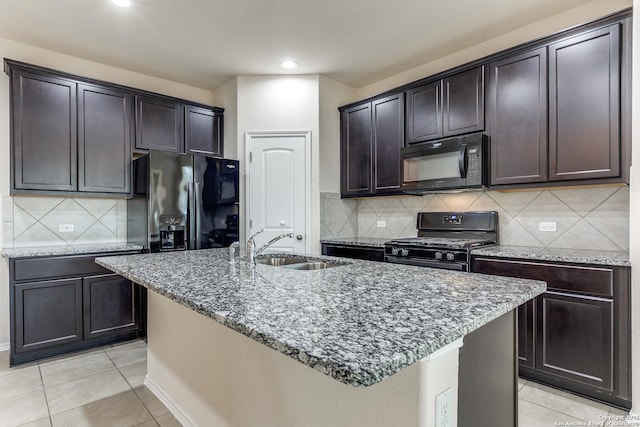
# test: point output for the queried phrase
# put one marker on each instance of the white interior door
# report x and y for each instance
(279, 188)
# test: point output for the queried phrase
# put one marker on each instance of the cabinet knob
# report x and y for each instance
(299, 237)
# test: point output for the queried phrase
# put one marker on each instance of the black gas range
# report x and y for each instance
(445, 239)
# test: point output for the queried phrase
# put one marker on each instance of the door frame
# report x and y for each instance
(251, 136)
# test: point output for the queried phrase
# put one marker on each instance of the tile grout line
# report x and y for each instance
(44, 392)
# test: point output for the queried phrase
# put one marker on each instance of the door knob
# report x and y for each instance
(299, 237)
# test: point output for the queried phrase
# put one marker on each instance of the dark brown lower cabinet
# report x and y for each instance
(48, 313)
(575, 336)
(109, 303)
(68, 303)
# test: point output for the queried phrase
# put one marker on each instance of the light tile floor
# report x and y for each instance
(104, 387)
(541, 406)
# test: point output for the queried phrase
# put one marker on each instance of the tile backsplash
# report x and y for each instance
(586, 218)
(36, 221)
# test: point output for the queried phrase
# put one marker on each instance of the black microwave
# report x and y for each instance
(446, 164)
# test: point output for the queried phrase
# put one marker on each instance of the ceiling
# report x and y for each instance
(204, 43)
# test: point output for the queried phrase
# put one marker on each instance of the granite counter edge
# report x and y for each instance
(356, 378)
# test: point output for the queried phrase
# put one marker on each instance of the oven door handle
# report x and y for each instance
(462, 160)
(426, 263)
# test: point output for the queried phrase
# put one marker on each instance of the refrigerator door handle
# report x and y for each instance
(197, 205)
(191, 217)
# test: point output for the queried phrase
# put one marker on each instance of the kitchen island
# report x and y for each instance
(382, 340)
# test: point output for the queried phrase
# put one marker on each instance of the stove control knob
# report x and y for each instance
(404, 252)
(450, 256)
(438, 255)
(394, 251)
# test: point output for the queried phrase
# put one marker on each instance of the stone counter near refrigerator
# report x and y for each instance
(382, 340)
(61, 250)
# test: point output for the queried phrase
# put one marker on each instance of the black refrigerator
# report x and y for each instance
(183, 201)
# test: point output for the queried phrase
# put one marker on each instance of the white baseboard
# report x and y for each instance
(176, 410)
(4, 346)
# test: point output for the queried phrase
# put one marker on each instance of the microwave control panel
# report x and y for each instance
(474, 161)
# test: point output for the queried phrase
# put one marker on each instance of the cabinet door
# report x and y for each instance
(44, 138)
(356, 150)
(575, 338)
(584, 106)
(159, 124)
(463, 110)
(526, 312)
(526, 334)
(518, 124)
(424, 113)
(109, 306)
(47, 314)
(203, 131)
(388, 140)
(104, 139)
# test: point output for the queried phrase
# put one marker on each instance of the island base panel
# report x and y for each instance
(210, 375)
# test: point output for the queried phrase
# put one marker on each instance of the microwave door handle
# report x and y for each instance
(462, 161)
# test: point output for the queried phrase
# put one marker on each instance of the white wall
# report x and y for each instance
(282, 103)
(226, 96)
(54, 60)
(634, 203)
(333, 94)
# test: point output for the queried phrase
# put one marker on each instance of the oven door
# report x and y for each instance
(451, 163)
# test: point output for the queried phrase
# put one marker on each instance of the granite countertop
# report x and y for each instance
(358, 323)
(577, 256)
(357, 241)
(37, 251)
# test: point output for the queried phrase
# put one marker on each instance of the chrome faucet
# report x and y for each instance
(251, 245)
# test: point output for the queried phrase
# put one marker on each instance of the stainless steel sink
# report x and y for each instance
(278, 261)
(312, 266)
(296, 262)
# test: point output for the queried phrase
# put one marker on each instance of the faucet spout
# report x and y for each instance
(269, 243)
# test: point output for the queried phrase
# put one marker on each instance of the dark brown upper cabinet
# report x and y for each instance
(518, 118)
(104, 139)
(203, 131)
(463, 102)
(424, 113)
(388, 140)
(446, 107)
(43, 129)
(372, 137)
(159, 124)
(584, 106)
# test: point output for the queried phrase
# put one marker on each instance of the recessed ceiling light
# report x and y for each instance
(289, 64)
(122, 3)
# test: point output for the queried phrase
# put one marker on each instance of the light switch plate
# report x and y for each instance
(381, 223)
(65, 228)
(547, 226)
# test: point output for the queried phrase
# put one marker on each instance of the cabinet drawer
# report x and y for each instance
(59, 266)
(587, 280)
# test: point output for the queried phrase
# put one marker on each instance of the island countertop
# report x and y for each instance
(358, 323)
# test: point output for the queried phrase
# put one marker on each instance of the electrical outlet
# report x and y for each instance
(547, 226)
(65, 228)
(381, 223)
(443, 409)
